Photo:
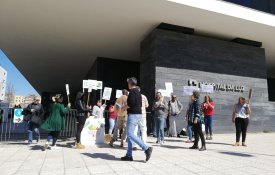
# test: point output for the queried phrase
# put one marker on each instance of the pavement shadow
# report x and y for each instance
(104, 156)
(236, 154)
(36, 147)
(173, 147)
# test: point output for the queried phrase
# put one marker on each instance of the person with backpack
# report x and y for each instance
(197, 121)
(34, 114)
(174, 109)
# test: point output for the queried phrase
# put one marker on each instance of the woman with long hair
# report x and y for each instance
(55, 123)
(208, 110)
(240, 117)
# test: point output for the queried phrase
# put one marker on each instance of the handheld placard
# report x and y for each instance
(68, 92)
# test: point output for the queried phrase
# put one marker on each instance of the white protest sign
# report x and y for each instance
(85, 84)
(164, 92)
(107, 93)
(169, 86)
(92, 84)
(188, 90)
(99, 85)
(18, 117)
(207, 88)
(67, 89)
(118, 93)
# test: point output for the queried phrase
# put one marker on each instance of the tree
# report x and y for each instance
(10, 91)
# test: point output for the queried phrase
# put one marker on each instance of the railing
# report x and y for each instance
(10, 131)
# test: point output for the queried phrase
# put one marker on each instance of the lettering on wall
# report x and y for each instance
(218, 86)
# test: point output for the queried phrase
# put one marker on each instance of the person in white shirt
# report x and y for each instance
(98, 109)
(174, 110)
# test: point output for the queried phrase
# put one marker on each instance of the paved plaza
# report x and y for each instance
(172, 158)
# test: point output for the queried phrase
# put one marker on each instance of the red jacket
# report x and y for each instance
(208, 111)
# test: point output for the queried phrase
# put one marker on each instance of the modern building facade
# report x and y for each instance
(226, 43)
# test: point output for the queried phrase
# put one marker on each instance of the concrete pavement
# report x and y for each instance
(173, 157)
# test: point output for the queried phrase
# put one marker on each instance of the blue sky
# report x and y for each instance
(21, 85)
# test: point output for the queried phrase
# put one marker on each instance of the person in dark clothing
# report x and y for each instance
(134, 104)
(197, 121)
(81, 117)
(35, 117)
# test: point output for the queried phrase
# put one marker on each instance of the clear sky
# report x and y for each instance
(21, 85)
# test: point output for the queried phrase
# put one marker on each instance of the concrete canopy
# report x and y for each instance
(56, 42)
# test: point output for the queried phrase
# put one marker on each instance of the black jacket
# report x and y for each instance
(81, 109)
(134, 102)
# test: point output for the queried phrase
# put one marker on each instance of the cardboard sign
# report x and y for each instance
(207, 88)
(118, 93)
(67, 89)
(107, 93)
(93, 131)
(18, 117)
(85, 84)
(164, 92)
(99, 85)
(188, 90)
(169, 86)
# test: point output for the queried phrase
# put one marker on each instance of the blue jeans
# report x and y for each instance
(208, 120)
(112, 123)
(33, 127)
(133, 121)
(190, 131)
(160, 128)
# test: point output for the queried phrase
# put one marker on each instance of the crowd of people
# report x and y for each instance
(127, 118)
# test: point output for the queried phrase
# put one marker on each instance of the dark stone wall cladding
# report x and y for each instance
(176, 57)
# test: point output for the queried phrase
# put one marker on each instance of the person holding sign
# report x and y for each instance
(81, 117)
(134, 103)
(197, 121)
(240, 117)
(208, 110)
(55, 123)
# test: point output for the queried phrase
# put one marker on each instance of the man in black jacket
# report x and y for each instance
(134, 104)
(81, 117)
(35, 117)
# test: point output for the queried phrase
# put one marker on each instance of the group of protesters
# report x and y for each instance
(127, 117)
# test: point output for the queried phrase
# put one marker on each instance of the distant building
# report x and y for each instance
(29, 99)
(19, 100)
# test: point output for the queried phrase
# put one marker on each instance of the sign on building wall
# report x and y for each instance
(3, 82)
(188, 90)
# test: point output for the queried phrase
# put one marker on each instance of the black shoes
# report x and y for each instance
(126, 158)
(194, 147)
(148, 153)
(203, 148)
(178, 135)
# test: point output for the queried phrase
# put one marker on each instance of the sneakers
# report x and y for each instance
(126, 158)
(178, 135)
(188, 141)
(243, 144)
(236, 144)
(112, 143)
(79, 146)
(161, 143)
(211, 138)
(148, 153)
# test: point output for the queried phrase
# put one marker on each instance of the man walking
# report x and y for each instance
(121, 118)
(174, 109)
(36, 113)
(134, 103)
